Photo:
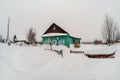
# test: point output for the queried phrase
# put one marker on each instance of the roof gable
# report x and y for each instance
(55, 29)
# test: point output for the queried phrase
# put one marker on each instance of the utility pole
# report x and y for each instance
(8, 25)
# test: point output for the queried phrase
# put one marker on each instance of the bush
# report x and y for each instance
(14, 38)
(1, 39)
(98, 41)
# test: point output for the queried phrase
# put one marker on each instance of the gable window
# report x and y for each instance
(54, 28)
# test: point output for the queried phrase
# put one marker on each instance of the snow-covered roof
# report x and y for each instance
(55, 30)
(21, 37)
(54, 34)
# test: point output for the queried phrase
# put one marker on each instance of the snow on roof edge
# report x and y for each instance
(54, 34)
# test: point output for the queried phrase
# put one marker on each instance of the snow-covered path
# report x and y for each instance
(21, 62)
(36, 63)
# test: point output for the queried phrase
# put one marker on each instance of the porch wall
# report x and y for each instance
(67, 40)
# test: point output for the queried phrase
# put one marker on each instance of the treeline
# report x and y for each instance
(110, 31)
(30, 38)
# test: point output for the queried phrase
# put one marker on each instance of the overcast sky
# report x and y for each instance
(81, 18)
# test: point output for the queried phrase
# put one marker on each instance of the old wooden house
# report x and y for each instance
(55, 35)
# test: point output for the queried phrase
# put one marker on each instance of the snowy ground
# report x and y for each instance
(36, 63)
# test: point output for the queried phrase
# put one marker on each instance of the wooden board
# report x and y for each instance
(101, 55)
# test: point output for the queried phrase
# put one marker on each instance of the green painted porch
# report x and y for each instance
(66, 40)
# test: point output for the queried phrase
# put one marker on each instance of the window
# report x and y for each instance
(54, 28)
(71, 41)
(61, 42)
(47, 41)
(54, 42)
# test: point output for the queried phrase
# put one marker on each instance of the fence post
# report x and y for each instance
(61, 52)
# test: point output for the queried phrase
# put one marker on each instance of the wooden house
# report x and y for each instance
(55, 35)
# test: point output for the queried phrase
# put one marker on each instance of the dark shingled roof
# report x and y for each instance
(55, 29)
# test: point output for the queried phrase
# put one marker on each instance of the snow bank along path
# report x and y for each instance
(36, 63)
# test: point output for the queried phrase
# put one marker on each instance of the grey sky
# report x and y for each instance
(82, 18)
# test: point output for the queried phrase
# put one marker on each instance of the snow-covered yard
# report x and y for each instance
(36, 63)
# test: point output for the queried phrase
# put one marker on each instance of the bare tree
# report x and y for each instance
(31, 36)
(117, 36)
(109, 30)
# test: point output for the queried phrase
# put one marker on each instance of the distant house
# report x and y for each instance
(55, 35)
(20, 39)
